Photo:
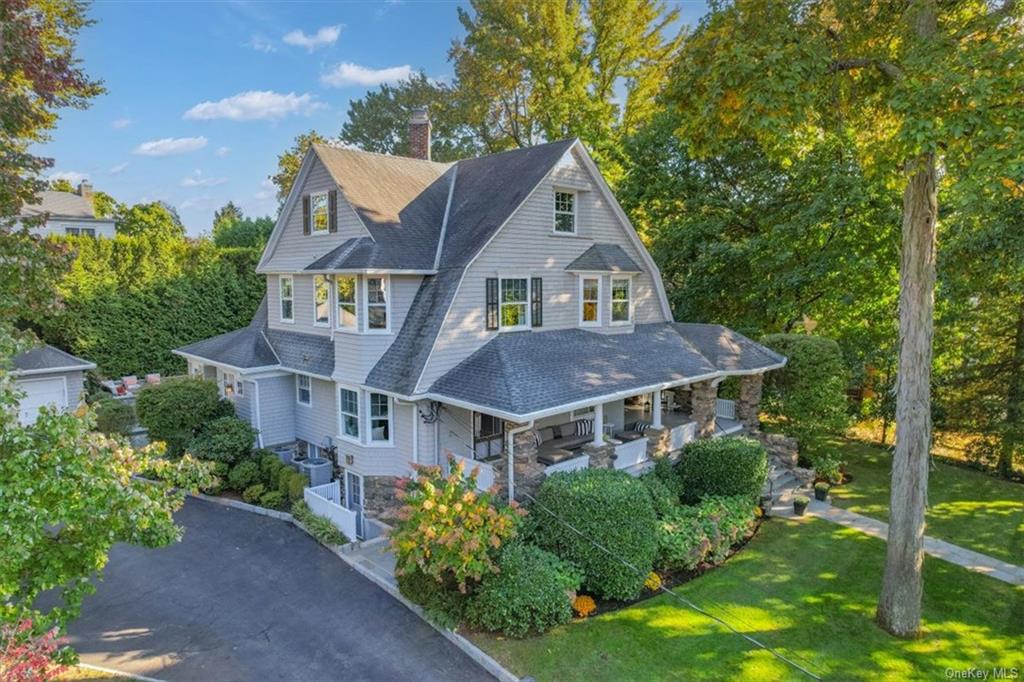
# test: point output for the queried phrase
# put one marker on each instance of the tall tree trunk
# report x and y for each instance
(899, 606)
(1014, 400)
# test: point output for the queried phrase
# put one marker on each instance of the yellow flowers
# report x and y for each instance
(653, 582)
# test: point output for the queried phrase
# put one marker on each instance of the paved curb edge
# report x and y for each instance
(115, 673)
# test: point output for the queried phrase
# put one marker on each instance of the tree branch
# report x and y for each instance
(886, 68)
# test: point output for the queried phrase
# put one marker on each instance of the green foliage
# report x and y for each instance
(291, 483)
(530, 593)
(226, 439)
(447, 529)
(114, 416)
(723, 467)
(243, 233)
(253, 493)
(275, 500)
(443, 603)
(271, 467)
(663, 497)
(809, 394)
(155, 220)
(827, 465)
(575, 510)
(244, 474)
(289, 161)
(668, 473)
(174, 410)
(705, 532)
(322, 529)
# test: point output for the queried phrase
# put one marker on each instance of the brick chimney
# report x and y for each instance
(85, 190)
(419, 134)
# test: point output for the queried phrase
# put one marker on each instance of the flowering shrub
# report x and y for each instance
(653, 582)
(447, 529)
(584, 605)
(26, 656)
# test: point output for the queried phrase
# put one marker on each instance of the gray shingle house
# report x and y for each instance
(69, 213)
(48, 376)
(502, 309)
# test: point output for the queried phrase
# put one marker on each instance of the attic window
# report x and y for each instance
(565, 212)
(318, 211)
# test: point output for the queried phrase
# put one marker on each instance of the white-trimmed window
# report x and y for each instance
(321, 301)
(303, 390)
(348, 406)
(287, 299)
(377, 303)
(80, 231)
(345, 295)
(228, 385)
(622, 304)
(380, 418)
(318, 215)
(590, 301)
(565, 212)
(240, 387)
(515, 296)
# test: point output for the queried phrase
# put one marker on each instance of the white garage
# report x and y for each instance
(49, 377)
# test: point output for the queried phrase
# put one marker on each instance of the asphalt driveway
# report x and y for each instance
(245, 597)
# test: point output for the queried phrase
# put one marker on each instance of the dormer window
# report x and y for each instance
(622, 305)
(318, 212)
(565, 212)
(590, 301)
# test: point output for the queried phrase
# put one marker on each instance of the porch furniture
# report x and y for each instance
(153, 379)
(555, 456)
(555, 443)
(130, 382)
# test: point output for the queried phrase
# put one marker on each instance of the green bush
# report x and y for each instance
(808, 395)
(605, 507)
(253, 493)
(442, 603)
(243, 475)
(291, 483)
(273, 500)
(827, 465)
(691, 535)
(663, 498)
(322, 529)
(220, 473)
(530, 593)
(723, 466)
(174, 410)
(668, 473)
(114, 417)
(226, 439)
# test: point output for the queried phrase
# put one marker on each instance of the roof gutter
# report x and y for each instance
(218, 363)
(52, 370)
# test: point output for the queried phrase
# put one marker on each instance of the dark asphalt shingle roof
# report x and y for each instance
(727, 350)
(47, 357)
(307, 353)
(526, 372)
(604, 258)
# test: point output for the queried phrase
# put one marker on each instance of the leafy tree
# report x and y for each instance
(155, 220)
(61, 185)
(917, 84)
(225, 215)
(104, 205)
(244, 233)
(379, 121)
(288, 162)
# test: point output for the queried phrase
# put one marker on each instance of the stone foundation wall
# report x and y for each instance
(659, 442)
(379, 499)
(783, 449)
(601, 456)
(704, 395)
(748, 406)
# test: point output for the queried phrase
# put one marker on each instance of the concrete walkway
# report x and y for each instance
(940, 549)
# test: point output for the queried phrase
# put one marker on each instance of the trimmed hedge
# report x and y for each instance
(529, 594)
(607, 507)
(663, 498)
(226, 439)
(691, 535)
(174, 410)
(243, 475)
(114, 417)
(722, 466)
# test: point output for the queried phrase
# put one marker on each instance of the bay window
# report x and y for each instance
(380, 419)
(348, 405)
(345, 289)
(376, 303)
(287, 299)
(321, 300)
(303, 390)
(590, 300)
(621, 300)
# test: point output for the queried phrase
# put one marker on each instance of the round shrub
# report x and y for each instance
(270, 466)
(243, 475)
(253, 493)
(114, 417)
(603, 506)
(175, 409)
(723, 466)
(227, 439)
(272, 500)
(443, 603)
(529, 593)
(291, 483)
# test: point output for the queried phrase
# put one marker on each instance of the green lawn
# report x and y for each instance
(806, 587)
(968, 508)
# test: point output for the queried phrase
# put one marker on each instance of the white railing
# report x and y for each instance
(574, 464)
(325, 500)
(725, 408)
(484, 479)
(630, 453)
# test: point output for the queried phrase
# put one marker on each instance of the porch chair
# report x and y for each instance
(130, 382)
(153, 379)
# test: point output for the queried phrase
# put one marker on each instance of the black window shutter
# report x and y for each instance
(332, 210)
(492, 303)
(537, 302)
(305, 214)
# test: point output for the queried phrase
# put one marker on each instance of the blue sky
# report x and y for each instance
(203, 96)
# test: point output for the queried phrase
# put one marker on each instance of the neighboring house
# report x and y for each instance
(502, 309)
(69, 213)
(48, 376)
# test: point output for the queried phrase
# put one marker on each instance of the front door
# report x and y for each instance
(354, 499)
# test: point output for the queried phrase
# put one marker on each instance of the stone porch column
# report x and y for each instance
(704, 394)
(749, 404)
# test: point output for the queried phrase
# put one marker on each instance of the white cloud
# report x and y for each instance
(74, 177)
(255, 105)
(348, 73)
(170, 145)
(120, 123)
(114, 170)
(196, 179)
(261, 44)
(327, 35)
(267, 190)
(222, 151)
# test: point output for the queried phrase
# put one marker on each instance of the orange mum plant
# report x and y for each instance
(584, 605)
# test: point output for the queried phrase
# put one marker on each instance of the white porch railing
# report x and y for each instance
(574, 464)
(484, 479)
(630, 453)
(725, 408)
(325, 500)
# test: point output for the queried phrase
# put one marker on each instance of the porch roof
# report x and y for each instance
(525, 374)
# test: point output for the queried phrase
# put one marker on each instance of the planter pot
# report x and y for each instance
(821, 494)
(800, 506)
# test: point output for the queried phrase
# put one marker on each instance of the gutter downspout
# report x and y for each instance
(510, 444)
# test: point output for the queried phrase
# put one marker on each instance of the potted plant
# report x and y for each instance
(765, 503)
(821, 489)
(800, 503)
